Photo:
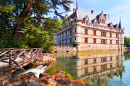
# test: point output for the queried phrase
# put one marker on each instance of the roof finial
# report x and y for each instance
(108, 15)
(120, 23)
(76, 5)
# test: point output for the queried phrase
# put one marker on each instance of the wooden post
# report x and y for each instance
(10, 59)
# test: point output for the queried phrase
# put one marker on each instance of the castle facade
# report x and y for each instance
(87, 31)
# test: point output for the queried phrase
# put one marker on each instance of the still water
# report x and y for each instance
(96, 69)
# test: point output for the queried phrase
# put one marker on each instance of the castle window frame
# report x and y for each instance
(111, 27)
(70, 32)
(86, 31)
(110, 41)
(74, 20)
(116, 35)
(94, 40)
(86, 40)
(86, 22)
(86, 61)
(110, 35)
(66, 33)
(116, 41)
(94, 32)
(75, 30)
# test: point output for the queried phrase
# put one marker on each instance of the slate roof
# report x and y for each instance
(82, 14)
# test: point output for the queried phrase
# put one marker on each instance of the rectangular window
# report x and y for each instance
(75, 30)
(111, 58)
(103, 34)
(104, 59)
(116, 57)
(66, 33)
(70, 32)
(94, 32)
(86, 40)
(110, 41)
(103, 41)
(86, 31)
(94, 40)
(116, 41)
(111, 65)
(75, 21)
(86, 70)
(70, 40)
(86, 22)
(62, 41)
(94, 60)
(116, 35)
(111, 27)
(95, 69)
(62, 34)
(110, 34)
(95, 24)
(86, 61)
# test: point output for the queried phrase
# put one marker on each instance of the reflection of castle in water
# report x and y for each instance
(97, 69)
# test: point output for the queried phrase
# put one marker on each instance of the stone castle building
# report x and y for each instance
(87, 31)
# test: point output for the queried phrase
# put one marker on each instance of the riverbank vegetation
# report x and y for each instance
(126, 41)
(27, 24)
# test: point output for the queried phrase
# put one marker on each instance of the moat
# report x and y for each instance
(97, 69)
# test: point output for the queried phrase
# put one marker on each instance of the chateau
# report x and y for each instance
(87, 31)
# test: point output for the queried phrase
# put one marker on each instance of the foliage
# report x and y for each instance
(28, 20)
(52, 70)
(65, 73)
(8, 42)
(127, 54)
(127, 41)
(36, 36)
(124, 45)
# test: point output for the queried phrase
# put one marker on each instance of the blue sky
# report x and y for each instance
(115, 9)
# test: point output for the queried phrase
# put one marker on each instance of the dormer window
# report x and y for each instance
(86, 22)
(111, 27)
(95, 24)
(75, 21)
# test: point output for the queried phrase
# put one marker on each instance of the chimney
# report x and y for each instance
(92, 11)
(74, 10)
(105, 16)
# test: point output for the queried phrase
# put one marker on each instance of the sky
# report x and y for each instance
(115, 9)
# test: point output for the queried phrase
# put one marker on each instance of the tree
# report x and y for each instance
(32, 10)
(127, 41)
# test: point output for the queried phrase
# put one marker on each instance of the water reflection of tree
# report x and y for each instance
(127, 54)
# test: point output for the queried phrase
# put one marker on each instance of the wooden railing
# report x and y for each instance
(17, 56)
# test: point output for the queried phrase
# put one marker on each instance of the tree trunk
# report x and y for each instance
(22, 16)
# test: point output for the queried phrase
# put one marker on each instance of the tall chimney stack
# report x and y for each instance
(105, 16)
(92, 11)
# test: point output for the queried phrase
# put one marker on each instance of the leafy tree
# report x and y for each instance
(36, 8)
(27, 22)
(127, 41)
